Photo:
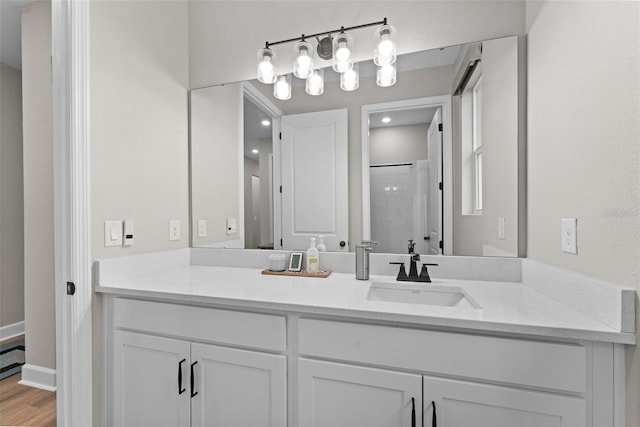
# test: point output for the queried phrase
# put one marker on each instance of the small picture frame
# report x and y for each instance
(295, 262)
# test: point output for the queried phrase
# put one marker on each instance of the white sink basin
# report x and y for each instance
(426, 294)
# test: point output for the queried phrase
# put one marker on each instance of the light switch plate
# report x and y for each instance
(501, 228)
(568, 235)
(174, 229)
(232, 226)
(202, 228)
(112, 233)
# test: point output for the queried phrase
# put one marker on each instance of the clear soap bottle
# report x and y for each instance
(321, 245)
(313, 259)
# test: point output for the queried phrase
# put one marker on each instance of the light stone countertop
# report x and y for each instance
(506, 307)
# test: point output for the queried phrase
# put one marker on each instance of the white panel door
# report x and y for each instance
(434, 205)
(151, 381)
(464, 404)
(238, 388)
(338, 395)
(314, 162)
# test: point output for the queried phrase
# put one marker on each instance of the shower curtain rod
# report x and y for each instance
(390, 165)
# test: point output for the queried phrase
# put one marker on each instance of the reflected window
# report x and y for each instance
(476, 118)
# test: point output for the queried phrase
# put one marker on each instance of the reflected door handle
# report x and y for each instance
(427, 238)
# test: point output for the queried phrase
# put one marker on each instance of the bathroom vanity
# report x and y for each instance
(191, 344)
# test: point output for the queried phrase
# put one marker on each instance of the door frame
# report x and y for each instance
(442, 101)
(70, 68)
(261, 101)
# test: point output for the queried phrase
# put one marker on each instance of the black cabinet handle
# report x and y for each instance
(180, 389)
(193, 386)
(434, 419)
(413, 412)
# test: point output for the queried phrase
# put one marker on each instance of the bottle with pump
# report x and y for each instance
(321, 245)
(313, 260)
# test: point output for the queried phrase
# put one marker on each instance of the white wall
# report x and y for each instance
(40, 332)
(11, 198)
(139, 133)
(139, 125)
(397, 144)
(234, 30)
(584, 144)
(216, 160)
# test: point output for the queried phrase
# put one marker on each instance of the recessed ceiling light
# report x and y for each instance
(386, 119)
(266, 123)
(254, 151)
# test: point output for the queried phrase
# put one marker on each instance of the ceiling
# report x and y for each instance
(10, 37)
(254, 130)
(414, 116)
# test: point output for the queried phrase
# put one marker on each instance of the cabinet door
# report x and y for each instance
(150, 385)
(460, 403)
(337, 395)
(238, 388)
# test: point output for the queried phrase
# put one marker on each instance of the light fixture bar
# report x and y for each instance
(325, 33)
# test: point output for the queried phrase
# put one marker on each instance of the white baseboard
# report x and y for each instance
(38, 377)
(11, 331)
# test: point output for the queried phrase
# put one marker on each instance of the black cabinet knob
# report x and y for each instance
(342, 243)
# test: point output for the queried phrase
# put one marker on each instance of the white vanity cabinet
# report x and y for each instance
(471, 380)
(167, 381)
(334, 394)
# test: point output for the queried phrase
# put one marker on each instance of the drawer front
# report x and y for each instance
(260, 331)
(531, 363)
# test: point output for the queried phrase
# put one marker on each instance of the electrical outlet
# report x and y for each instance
(174, 230)
(568, 235)
(112, 233)
(232, 226)
(501, 228)
(202, 228)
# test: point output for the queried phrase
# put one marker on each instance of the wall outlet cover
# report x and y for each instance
(501, 228)
(568, 235)
(174, 230)
(202, 228)
(232, 226)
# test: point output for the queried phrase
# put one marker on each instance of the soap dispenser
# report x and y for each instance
(313, 260)
(321, 246)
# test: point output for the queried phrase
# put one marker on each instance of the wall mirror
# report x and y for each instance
(433, 158)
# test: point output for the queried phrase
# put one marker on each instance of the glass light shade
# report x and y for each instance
(315, 83)
(303, 62)
(386, 75)
(342, 52)
(266, 66)
(385, 52)
(282, 87)
(350, 79)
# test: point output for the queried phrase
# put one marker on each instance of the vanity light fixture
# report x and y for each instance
(386, 75)
(337, 46)
(282, 87)
(315, 83)
(350, 79)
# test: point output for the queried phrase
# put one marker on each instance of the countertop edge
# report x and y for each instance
(458, 324)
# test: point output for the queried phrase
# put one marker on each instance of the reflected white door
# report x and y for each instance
(315, 179)
(434, 208)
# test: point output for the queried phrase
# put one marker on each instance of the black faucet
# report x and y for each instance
(413, 269)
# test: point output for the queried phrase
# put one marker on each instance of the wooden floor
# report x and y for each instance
(25, 406)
